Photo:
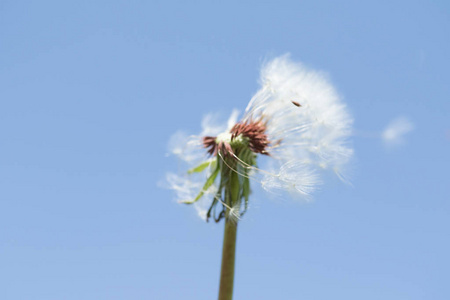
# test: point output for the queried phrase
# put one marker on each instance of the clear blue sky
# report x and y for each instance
(90, 92)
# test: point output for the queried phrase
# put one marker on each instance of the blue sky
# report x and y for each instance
(91, 91)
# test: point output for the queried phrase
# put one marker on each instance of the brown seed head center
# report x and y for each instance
(253, 131)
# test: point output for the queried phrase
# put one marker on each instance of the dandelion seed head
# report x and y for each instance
(296, 119)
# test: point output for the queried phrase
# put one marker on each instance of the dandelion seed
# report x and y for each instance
(396, 130)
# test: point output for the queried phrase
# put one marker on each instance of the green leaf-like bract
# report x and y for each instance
(209, 182)
(201, 167)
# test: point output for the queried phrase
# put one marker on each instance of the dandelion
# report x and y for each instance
(296, 120)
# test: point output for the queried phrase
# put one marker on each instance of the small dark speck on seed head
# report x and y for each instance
(296, 103)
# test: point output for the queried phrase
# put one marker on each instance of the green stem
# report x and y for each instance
(232, 193)
(228, 259)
